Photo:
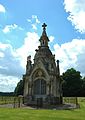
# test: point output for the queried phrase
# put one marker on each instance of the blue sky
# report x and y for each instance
(20, 29)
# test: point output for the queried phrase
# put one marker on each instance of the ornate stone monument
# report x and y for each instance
(42, 82)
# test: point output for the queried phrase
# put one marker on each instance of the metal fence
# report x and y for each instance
(13, 101)
(72, 100)
(18, 101)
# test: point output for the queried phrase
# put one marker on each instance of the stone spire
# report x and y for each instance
(58, 70)
(44, 38)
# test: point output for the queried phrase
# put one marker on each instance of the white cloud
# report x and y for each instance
(29, 20)
(71, 54)
(51, 38)
(34, 22)
(9, 62)
(13, 61)
(2, 8)
(10, 68)
(34, 27)
(76, 10)
(1, 55)
(3, 46)
(8, 28)
(8, 83)
(36, 18)
(31, 42)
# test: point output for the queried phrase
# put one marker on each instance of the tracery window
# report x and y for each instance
(40, 87)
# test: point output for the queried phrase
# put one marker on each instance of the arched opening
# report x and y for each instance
(39, 87)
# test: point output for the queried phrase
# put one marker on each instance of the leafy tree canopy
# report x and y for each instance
(72, 83)
(19, 88)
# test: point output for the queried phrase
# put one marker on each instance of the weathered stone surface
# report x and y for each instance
(42, 79)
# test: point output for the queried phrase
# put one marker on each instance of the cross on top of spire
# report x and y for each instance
(44, 26)
(44, 38)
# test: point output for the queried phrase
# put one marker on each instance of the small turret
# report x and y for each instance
(29, 65)
(58, 70)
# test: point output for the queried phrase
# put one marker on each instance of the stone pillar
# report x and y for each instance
(54, 87)
(30, 88)
(58, 69)
(25, 87)
(47, 86)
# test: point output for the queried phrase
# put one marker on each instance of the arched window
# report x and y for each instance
(40, 87)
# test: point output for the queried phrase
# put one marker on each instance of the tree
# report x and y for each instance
(72, 83)
(19, 88)
(83, 87)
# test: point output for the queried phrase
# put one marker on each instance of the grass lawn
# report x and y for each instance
(28, 114)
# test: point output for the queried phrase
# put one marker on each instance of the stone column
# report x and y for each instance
(30, 88)
(50, 87)
(47, 88)
(25, 87)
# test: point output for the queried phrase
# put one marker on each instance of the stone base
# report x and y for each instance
(40, 102)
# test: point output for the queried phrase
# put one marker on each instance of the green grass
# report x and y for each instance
(27, 114)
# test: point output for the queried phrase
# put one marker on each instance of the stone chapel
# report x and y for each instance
(42, 79)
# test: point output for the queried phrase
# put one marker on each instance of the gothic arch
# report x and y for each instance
(39, 87)
(38, 73)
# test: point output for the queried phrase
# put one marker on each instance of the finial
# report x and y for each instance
(44, 26)
(29, 58)
(58, 61)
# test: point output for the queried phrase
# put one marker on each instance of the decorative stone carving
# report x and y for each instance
(43, 75)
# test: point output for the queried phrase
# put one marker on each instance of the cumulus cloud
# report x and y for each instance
(9, 62)
(1, 55)
(76, 10)
(34, 22)
(9, 27)
(2, 9)
(29, 20)
(71, 54)
(36, 18)
(13, 61)
(34, 27)
(51, 38)
(10, 68)
(3, 46)
(8, 83)
(31, 42)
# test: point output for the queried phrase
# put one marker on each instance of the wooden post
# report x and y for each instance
(19, 102)
(14, 103)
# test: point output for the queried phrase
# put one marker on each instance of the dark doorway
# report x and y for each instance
(40, 87)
